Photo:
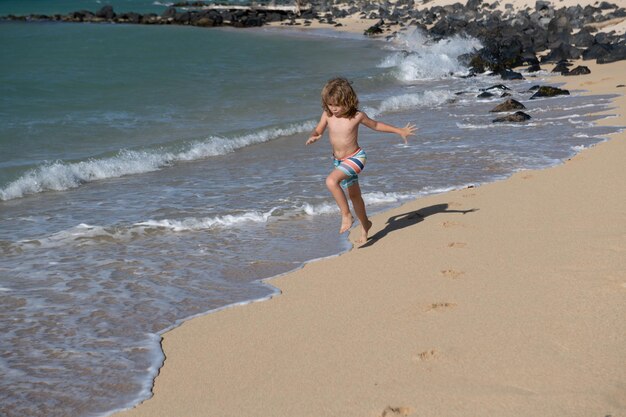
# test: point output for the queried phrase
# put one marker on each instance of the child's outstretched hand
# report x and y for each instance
(313, 138)
(406, 131)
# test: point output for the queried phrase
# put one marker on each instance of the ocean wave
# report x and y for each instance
(85, 234)
(495, 125)
(193, 224)
(430, 98)
(59, 175)
(420, 58)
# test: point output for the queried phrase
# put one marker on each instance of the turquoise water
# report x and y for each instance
(149, 174)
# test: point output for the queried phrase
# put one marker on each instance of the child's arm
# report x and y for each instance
(404, 132)
(319, 130)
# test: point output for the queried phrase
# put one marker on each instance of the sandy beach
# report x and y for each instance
(505, 299)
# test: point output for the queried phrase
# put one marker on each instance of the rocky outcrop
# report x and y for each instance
(237, 17)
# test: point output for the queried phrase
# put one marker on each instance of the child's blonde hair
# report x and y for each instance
(339, 92)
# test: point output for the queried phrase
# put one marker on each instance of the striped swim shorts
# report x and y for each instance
(351, 165)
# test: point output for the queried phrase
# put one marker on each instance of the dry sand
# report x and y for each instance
(506, 299)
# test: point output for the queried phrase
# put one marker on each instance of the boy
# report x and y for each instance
(342, 117)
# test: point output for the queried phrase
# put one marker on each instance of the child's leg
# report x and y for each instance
(333, 183)
(354, 191)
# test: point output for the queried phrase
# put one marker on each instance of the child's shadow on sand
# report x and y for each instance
(411, 218)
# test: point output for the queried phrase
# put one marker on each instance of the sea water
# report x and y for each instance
(150, 174)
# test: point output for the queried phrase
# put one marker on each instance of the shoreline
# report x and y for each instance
(184, 357)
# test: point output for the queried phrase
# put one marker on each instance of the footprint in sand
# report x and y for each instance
(457, 245)
(449, 224)
(527, 177)
(427, 355)
(469, 195)
(440, 306)
(396, 412)
(451, 273)
(454, 204)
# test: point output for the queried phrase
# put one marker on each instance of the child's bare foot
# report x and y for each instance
(346, 223)
(364, 229)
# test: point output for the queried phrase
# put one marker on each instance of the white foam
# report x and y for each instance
(80, 232)
(59, 175)
(491, 125)
(209, 222)
(429, 98)
(382, 198)
(317, 209)
(421, 58)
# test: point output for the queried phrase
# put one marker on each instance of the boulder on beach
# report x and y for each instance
(562, 67)
(562, 52)
(510, 104)
(547, 91)
(511, 75)
(579, 70)
(617, 53)
(516, 117)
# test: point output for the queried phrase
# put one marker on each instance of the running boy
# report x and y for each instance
(342, 117)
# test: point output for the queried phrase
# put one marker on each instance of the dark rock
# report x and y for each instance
(559, 29)
(505, 94)
(563, 51)
(485, 95)
(583, 39)
(205, 22)
(106, 12)
(617, 53)
(561, 67)
(86, 15)
(375, 29)
(473, 4)
(511, 75)
(182, 18)
(517, 117)
(547, 91)
(602, 38)
(596, 51)
(498, 87)
(130, 18)
(542, 5)
(534, 68)
(253, 21)
(579, 70)
(170, 12)
(534, 88)
(607, 6)
(510, 104)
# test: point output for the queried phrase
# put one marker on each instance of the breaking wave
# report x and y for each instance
(430, 98)
(59, 175)
(420, 58)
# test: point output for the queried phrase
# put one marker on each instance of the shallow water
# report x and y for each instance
(143, 182)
